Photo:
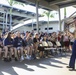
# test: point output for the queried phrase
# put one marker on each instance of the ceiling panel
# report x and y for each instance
(60, 3)
(50, 0)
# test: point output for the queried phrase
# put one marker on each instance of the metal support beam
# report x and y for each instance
(37, 18)
(19, 14)
(3, 20)
(57, 2)
(14, 21)
(6, 19)
(60, 27)
(10, 22)
(3, 23)
(70, 3)
(32, 25)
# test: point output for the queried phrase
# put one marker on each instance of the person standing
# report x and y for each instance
(1, 45)
(71, 65)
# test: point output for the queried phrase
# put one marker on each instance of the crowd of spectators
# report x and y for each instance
(25, 45)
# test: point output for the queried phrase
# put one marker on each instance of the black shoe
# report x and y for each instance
(72, 69)
(33, 56)
(16, 59)
(5, 59)
(10, 59)
(68, 67)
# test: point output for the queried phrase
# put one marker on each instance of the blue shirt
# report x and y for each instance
(8, 42)
(18, 42)
(1, 39)
(1, 42)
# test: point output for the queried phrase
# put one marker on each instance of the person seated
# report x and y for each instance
(18, 45)
(8, 46)
(1, 44)
(35, 43)
(29, 46)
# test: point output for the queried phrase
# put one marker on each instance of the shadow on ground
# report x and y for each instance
(8, 67)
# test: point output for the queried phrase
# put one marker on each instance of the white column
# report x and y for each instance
(3, 20)
(10, 22)
(6, 18)
(60, 27)
(32, 25)
(37, 17)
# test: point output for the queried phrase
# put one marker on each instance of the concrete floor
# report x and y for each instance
(45, 66)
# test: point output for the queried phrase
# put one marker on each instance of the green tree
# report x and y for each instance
(49, 15)
(11, 3)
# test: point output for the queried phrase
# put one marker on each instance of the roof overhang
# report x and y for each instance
(42, 4)
(50, 4)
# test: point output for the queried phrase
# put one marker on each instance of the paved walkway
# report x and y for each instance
(45, 66)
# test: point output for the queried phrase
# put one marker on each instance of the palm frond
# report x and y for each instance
(19, 3)
(13, 2)
(10, 10)
(42, 15)
(8, 1)
(45, 13)
(48, 14)
(52, 15)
